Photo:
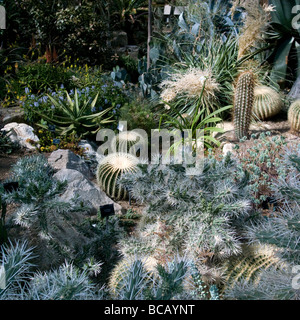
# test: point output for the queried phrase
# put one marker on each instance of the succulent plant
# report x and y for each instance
(243, 103)
(125, 141)
(267, 102)
(111, 168)
(294, 116)
(75, 116)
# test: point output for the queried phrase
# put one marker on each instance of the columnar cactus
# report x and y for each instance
(267, 102)
(109, 170)
(243, 103)
(294, 116)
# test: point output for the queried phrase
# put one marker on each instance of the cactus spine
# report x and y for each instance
(126, 142)
(110, 169)
(294, 116)
(267, 102)
(243, 103)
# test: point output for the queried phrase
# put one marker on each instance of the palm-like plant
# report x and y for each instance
(76, 116)
(199, 122)
(285, 39)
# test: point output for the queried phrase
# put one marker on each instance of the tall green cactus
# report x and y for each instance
(110, 169)
(243, 103)
(294, 116)
(267, 102)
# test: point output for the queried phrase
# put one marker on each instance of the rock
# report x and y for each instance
(90, 193)
(12, 114)
(120, 39)
(90, 151)
(228, 147)
(66, 159)
(21, 133)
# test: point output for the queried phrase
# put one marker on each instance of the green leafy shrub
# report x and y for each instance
(109, 96)
(38, 77)
(139, 114)
(6, 145)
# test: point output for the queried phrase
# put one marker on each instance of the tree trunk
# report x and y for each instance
(149, 32)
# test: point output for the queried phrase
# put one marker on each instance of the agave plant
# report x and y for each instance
(285, 39)
(76, 116)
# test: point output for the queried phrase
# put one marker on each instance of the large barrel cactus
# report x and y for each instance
(294, 116)
(267, 102)
(110, 169)
(243, 103)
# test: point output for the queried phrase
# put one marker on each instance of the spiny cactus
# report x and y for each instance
(126, 141)
(294, 116)
(138, 278)
(243, 103)
(111, 168)
(267, 102)
(250, 263)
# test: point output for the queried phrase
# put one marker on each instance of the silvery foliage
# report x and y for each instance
(281, 230)
(191, 214)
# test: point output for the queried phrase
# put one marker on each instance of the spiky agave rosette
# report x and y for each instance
(110, 169)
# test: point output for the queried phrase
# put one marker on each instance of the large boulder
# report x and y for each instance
(90, 193)
(21, 133)
(66, 159)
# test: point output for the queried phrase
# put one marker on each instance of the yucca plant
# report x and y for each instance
(294, 116)
(204, 126)
(284, 38)
(75, 116)
(267, 102)
(111, 168)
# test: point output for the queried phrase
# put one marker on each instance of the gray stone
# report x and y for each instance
(66, 159)
(21, 133)
(89, 192)
(120, 39)
(12, 114)
(228, 147)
